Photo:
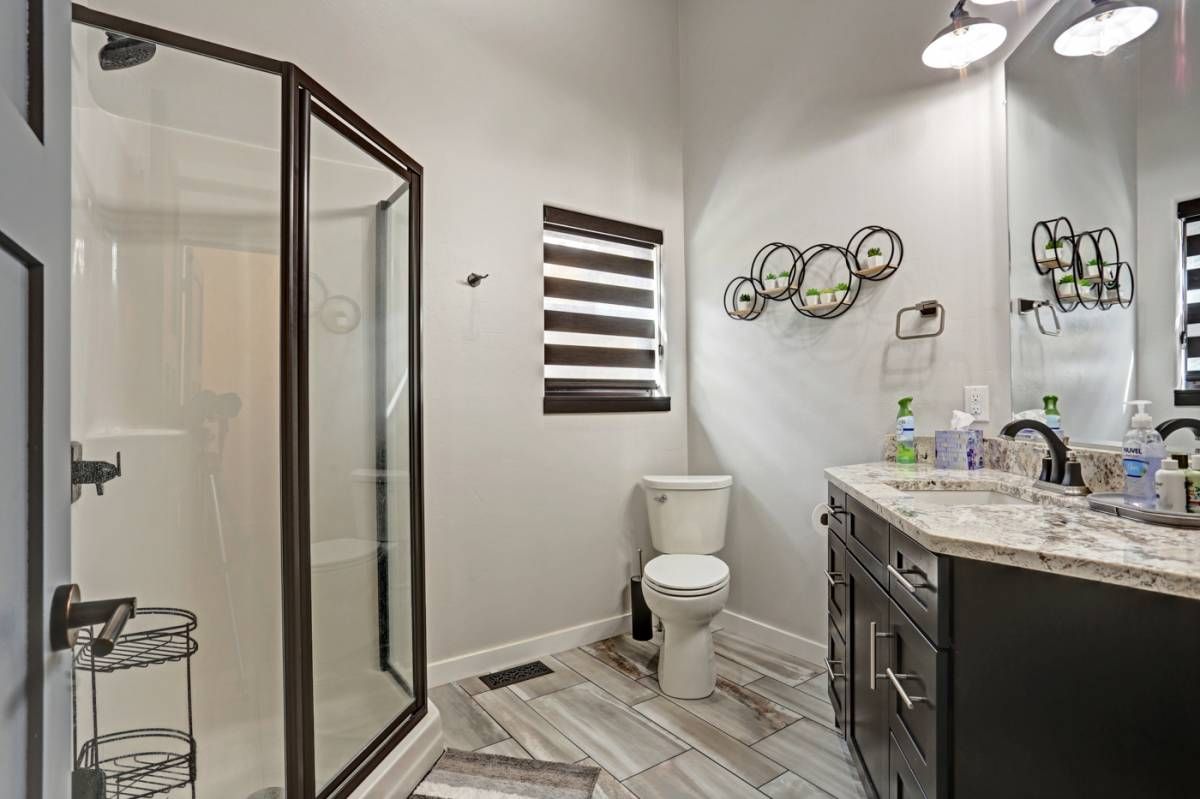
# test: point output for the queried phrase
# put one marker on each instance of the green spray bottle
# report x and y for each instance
(1053, 417)
(906, 432)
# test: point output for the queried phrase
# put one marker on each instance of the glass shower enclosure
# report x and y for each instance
(245, 318)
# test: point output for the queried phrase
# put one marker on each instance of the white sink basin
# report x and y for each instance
(942, 496)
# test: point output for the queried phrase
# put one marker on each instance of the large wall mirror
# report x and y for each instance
(1103, 193)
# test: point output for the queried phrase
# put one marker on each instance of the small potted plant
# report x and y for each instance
(839, 292)
(1067, 288)
(1092, 269)
(745, 304)
(814, 297)
(771, 281)
(828, 296)
(875, 258)
(1056, 253)
(1086, 286)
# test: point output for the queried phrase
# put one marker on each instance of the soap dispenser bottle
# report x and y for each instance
(906, 426)
(1142, 453)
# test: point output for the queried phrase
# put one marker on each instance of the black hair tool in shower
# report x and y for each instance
(642, 621)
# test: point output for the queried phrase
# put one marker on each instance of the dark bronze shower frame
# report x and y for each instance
(302, 99)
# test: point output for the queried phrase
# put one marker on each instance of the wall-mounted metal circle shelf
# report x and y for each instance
(1085, 268)
(778, 271)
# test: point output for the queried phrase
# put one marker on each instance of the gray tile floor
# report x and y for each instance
(766, 731)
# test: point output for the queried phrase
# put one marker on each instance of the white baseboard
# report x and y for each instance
(516, 652)
(763, 633)
(406, 765)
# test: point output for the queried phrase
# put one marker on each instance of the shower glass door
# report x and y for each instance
(245, 307)
(359, 405)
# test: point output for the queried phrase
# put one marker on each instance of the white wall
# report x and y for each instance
(802, 122)
(1072, 151)
(530, 520)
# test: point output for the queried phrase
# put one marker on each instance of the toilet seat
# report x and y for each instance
(686, 575)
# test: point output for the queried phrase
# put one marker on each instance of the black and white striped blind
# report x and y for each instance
(1189, 339)
(602, 308)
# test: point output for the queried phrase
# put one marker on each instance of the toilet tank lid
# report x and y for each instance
(687, 482)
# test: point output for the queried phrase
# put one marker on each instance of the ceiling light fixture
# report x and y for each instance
(1108, 25)
(965, 40)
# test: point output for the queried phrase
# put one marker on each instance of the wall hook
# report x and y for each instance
(474, 279)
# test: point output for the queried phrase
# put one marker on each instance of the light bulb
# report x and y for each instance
(963, 41)
(1107, 26)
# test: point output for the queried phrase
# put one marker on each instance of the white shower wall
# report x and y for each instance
(175, 364)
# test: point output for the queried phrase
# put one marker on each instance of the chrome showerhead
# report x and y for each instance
(123, 51)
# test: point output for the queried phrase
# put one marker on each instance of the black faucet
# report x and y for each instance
(1061, 469)
(1171, 425)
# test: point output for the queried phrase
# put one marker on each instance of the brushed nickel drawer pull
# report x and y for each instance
(904, 697)
(835, 578)
(833, 675)
(900, 578)
(875, 634)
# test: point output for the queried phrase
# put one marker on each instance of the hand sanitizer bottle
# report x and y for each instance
(906, 427)
(1142, 452)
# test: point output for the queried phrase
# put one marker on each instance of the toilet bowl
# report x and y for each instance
(686, 586)
(686, 592)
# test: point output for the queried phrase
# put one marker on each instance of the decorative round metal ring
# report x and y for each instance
(833, 310)
(773, 283)
(1087, 287)
(879, 238)
(1057, 231)
(735, 308)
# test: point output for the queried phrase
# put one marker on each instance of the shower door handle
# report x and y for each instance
(68, 613)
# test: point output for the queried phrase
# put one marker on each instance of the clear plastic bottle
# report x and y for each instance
(1142, 452)
(906, 432)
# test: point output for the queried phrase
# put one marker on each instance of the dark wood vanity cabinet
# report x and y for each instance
(976, 680)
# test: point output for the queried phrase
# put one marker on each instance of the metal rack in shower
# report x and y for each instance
(148, 761)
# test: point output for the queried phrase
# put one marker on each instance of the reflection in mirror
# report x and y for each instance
(1099, 160)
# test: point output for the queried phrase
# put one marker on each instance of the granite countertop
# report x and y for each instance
(1057, 534)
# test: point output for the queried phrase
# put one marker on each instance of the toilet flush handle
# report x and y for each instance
(661, 498)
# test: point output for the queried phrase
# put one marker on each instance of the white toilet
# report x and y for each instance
(686, 587)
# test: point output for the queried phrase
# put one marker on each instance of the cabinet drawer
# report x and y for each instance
(903, 783)
(835, 577)
(867, 537)
(836, 499)
(918, 672)
(835, 671)
(915, 576)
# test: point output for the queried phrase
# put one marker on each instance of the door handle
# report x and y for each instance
(871, 661)
(835, 578)
(68, 613)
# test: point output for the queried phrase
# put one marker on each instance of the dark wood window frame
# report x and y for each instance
(583, 395)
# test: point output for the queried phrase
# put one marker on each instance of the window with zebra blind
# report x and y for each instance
(602, 307)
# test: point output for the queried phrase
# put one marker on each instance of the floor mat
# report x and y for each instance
(471, 775)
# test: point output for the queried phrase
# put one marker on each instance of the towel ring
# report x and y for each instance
(926, 309)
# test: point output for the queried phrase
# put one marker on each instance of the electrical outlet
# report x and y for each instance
(976, 402)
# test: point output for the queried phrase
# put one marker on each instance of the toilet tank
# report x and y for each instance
(687, 512)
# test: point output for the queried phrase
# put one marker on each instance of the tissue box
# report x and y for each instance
(958, 449)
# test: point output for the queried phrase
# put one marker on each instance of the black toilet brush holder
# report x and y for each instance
(640, 617)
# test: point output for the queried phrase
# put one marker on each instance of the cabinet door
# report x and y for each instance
(835, 575)
(870, 654)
